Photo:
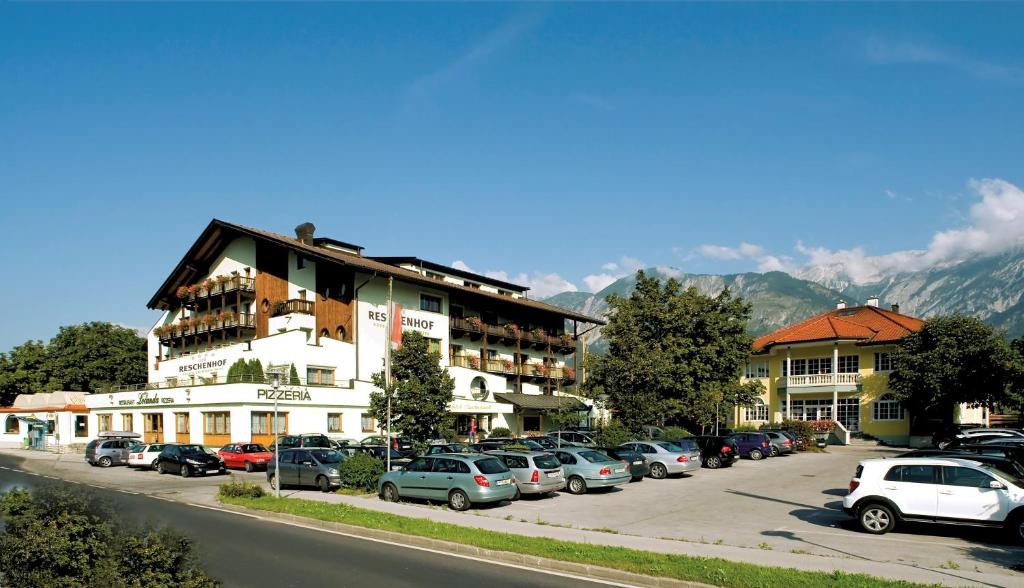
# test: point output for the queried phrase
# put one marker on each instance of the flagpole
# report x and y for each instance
(387, 375)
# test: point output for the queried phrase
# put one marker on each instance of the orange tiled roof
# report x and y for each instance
(863, 324)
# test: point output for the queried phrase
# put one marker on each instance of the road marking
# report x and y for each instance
(4, 468)
(425, 549)
(126, 492)
(51, 477)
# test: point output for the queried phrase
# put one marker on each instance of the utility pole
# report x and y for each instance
(275, 383)
(387, 374)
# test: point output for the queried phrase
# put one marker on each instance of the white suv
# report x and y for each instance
(935, 490)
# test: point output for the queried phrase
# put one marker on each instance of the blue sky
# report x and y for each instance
(560, 145)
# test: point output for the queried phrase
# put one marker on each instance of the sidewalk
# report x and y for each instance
(206, 495)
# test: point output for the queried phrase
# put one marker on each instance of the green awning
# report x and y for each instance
(541, 401)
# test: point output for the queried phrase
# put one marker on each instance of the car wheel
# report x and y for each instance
(185, 471)
(389, 493)
(658, 471)
(637, 479)
(518, 494)
(755, 454)
(153, 464)
(714, 462)
(576, 485)
(248, 467)
(1015, 527)
(105, 462)
(324, 484)
(458, 500)
(774, 451)
(876, 518)
(273, 482)
(160, 467)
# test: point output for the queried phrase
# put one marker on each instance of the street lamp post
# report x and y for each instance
(275, 383)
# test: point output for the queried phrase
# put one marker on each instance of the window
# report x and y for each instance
(105, 421)
(915, 474)
(127, 422)
(217, 423)
(81, 425)
(433, 345)
(531, 423)
(758, 412)
(757, 369)
(435, 276)
(367, 422)
(261, 423)
(883, 362)
(430, 303)
(849, 364)
(848, 412)
(334, 422)
(420, 464)
(810, 410)
(316, 376)
(887, 408)
(181, 423)
(302, 294)
(340, 333)
(954, 476)
(11, 425)
(819, 365)
(300, 262)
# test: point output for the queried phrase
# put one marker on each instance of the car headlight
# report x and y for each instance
(193, 462)
(332, 472)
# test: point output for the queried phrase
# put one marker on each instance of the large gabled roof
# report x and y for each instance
(430, 265)
(866, 325)
(219, 233)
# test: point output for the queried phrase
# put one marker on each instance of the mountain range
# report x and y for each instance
(991, 288)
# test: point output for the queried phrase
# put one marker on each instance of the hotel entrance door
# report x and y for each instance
(154, 427)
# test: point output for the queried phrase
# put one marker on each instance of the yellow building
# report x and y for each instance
(835, 366)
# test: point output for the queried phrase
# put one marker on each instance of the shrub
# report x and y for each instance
(241, 489)
(500, 432)
(673, 433)
(612, 435)
(361, 471)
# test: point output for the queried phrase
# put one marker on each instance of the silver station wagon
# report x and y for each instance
(668, 458)
(587, 468)
(460, 479)
(536, 472)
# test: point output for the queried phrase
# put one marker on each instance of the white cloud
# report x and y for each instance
(541, 284)
(614, 270)
(744, 250)
(461, 265)
(598, 282)
(891, 194)
(995, 225)
(610, 266)
(885, 52)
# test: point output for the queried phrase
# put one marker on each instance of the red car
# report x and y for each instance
(251, 456)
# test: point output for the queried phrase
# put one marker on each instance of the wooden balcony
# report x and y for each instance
(530, 371)
(239, 286)
(475, 329)
(294, 305)
(224, 325)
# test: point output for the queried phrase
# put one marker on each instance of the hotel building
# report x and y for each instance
(316, 309)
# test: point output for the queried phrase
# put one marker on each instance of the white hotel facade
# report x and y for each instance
(320, 305)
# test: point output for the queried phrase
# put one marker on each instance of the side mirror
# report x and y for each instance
(996, 485)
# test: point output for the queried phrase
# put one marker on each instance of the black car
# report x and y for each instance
(400, 444)
(716, 451)
(380, 452)
(188, 460)
(982, 439)
(638, 466)
(436, 448)
(1005, 451)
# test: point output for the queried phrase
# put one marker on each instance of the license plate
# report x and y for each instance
(555, 475)
(504, 482)
(637, 462)
(619, 470)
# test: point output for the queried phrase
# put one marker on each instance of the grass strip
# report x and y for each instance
(718, 572)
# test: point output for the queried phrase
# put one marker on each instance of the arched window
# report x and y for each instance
(758, 412)
(478, 388)
(325, 334)
(340, 332)
(886, 408)
(11, 425)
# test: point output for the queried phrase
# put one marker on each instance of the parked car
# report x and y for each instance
(489, 446)
(999, 461)
(996, 437)
(637, 463)
(112, 448)
(781, 444)
(536, 472)
(716, 451)
(1018, 441)
(753, 445)
(544, 441)
(586, 468)
(448, 448)
(665, 458)
(577, 438)
(400, 444)
(337, 442)
(798, 442)
(886, 492)
(461, 480)
(1014, 451)
(188, 460)
(302, 440)
(247, 456)
(380, 452)
(990, 430)
(145, 456)
(307, 467)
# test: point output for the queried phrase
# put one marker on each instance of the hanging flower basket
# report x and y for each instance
(474, 321)
(181, 292)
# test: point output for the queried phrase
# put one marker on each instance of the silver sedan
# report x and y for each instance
(667, 458)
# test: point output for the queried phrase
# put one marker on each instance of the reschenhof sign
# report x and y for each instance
(302, 395)
(203, 365)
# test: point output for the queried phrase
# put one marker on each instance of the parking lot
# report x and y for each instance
(789, 504)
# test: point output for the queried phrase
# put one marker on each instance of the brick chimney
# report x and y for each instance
(304, 233)
(873, 301)
(840, 305)
(895, 307)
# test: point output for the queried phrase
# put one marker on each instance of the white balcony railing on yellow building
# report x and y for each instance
(821, 380)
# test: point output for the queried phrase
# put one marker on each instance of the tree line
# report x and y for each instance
(85, 358)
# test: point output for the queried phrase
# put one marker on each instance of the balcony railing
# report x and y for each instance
(201, 326)
(473, 325)
(218, 287)
(822, 380)
(507, 367)
(214, 381)
(284, 307)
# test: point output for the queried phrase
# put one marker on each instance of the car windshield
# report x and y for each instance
(1001, 471)
(491, 465)
(254, 448)
(595, 456)
(547, 461)
(326, 455)
(459, 448)
(687, 444)
(192, 449)
(670, 447)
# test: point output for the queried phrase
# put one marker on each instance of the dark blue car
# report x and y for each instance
(753, 445)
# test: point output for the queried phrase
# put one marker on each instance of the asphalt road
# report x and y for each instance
(246, 551)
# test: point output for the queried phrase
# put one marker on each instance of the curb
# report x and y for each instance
(543, 563)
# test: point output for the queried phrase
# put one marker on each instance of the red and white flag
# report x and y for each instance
(396, 326)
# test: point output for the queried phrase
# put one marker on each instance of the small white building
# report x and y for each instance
(53, 420)
(317, 309)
